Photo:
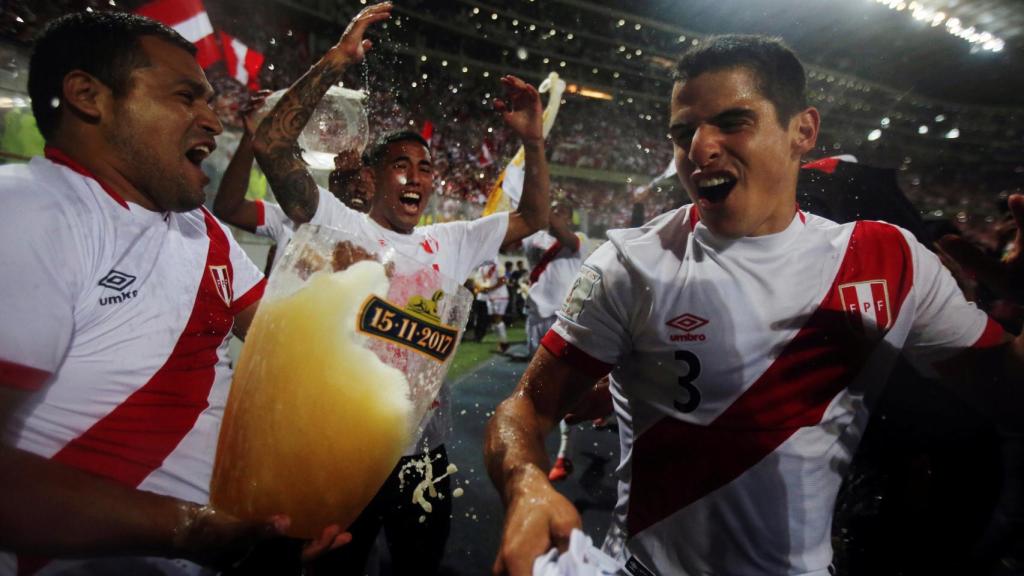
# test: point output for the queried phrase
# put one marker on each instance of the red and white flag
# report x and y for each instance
(486, 157)
(188, 18)
(428, 131)
(243, 63)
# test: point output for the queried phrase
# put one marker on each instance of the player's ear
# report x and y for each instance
(804, 127)
(85, 96)
(367, 175)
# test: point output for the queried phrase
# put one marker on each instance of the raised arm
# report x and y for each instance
(276, 142)
(522, 112)
(537, 517)
(230, 204)
(560, 227)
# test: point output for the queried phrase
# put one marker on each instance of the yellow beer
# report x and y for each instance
(315, 422)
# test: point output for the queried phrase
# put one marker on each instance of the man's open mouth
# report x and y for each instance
(411, 199)
(198, 153)
(715, 189)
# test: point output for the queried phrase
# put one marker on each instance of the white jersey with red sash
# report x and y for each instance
(554, 267)
(116, 319)
(487, 278)
(739, 371)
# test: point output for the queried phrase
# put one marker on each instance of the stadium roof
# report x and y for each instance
(875, 41)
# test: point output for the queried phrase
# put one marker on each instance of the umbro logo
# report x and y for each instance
(687, 323)
(116, 280)
(119, 282)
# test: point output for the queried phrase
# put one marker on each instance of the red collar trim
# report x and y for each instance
(826, 165)
(58, 156)
(694, 217)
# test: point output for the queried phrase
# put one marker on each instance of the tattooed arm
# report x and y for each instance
(276, 141)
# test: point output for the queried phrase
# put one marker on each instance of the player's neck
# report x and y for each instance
(778, 221)
(382, 221)
(97, 159)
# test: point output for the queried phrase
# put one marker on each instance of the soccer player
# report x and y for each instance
(491, 287)
(555, 256)
(520, 288)
(403, 178)
(117, 299)
(745, 340)
(349, 182)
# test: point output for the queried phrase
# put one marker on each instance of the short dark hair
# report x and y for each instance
(778, 72)
(104, 44)
(343, 177)
(376, 154)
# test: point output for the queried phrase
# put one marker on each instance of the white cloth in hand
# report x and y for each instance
(581, 559)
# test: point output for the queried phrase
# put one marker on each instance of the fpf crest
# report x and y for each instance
(867, 305)
(222, 282)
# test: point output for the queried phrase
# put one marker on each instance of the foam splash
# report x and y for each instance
(427, 485)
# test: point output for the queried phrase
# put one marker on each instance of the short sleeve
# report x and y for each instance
(42, 263)
(247, 280)
(595, 315)
(332, 212)
(945, 323)
(273, 221)
(533, 246)
(474, 242)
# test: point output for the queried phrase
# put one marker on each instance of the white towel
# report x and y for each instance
(581, 559)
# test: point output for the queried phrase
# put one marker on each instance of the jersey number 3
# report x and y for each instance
(693, 372)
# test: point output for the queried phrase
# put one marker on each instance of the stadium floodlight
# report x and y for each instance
(874, 135)
(953, 133)
(921, 12)
(588, 92)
